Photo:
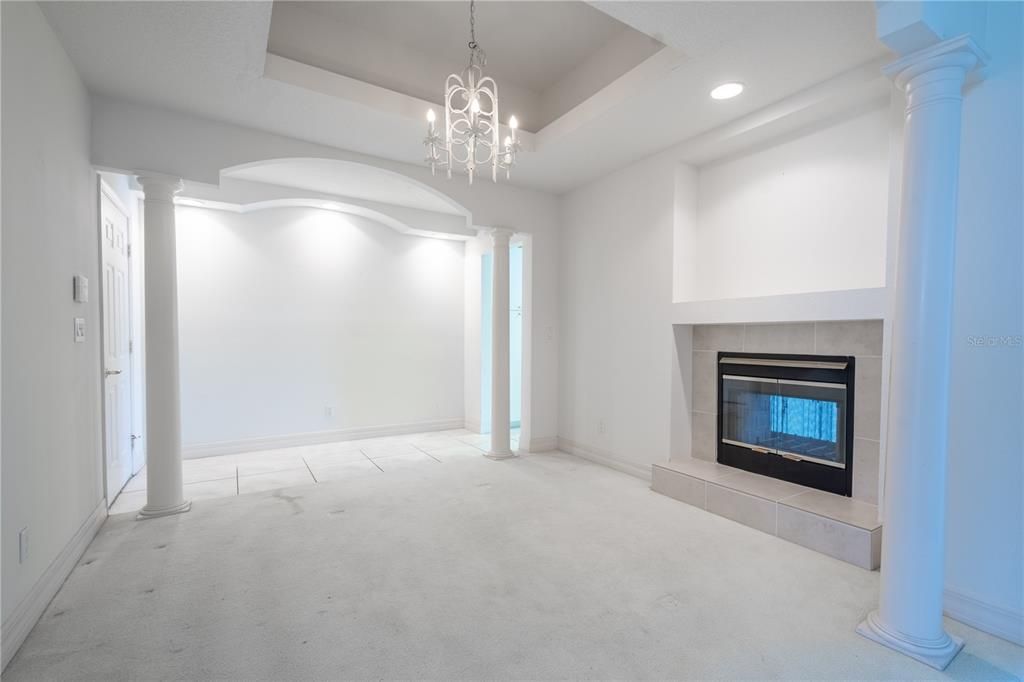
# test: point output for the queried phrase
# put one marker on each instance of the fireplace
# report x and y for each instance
(788, 416)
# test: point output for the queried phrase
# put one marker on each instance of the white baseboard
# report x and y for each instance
(604, 458)
(543, 444)
(315, 438)
(994, 620)
(25, 615)
(473, 425)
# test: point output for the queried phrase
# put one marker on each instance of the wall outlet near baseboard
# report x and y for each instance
(600, 426)
(329, 411)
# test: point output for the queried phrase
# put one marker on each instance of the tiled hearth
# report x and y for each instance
(839, 526)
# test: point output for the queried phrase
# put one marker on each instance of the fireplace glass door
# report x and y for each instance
(799, 420)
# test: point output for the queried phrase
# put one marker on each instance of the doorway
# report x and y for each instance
(116, 321)
(515, 328)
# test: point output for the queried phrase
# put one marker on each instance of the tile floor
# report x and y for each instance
(230, 475)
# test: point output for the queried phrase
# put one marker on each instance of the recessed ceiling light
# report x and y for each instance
(727, 91)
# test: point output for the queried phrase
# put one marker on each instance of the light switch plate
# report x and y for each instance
(79, 329)
(81, 287)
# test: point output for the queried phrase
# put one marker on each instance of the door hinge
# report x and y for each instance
(131, 345)
(129, 250)
(134, 438)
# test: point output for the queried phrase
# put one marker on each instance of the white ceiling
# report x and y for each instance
(207, 58)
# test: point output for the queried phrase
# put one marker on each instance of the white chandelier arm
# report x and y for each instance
(470, 137)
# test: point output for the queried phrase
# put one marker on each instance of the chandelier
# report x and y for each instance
(470, 138)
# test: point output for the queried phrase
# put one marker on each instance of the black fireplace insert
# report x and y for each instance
(788, 416)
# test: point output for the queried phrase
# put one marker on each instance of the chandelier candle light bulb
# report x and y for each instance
(471, 133)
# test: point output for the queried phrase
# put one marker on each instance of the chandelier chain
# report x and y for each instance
(472, 25)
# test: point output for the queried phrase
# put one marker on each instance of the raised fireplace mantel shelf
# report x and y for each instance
(838, 526)
(846, 304)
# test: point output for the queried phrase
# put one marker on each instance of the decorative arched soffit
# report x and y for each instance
(399, 223)
(350, 182)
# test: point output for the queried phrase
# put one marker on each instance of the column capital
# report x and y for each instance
(159, 187)
(501, 236)
(948, 61)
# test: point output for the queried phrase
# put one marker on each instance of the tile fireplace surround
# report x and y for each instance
(862, 339)
(839, 526)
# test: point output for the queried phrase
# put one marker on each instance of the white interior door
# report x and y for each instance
(116, 348)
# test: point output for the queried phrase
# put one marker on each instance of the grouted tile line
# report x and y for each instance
(426, 453)
(363, 453)
(236, 482)
(309, 469)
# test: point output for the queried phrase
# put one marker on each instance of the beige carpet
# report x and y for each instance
(539, 567)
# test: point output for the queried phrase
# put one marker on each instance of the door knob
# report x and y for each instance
(111, 372)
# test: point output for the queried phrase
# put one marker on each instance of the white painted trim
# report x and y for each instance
(995, 620)
(542, 444)
(845, 304)
(473, 425)
(604, 458)
(25, 615)
(199, 450)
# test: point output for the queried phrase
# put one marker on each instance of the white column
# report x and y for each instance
(909, 616)
(164, 493)
(500, 414)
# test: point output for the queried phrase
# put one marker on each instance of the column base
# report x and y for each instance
(935, 653)
(507, 454)
(148, 513)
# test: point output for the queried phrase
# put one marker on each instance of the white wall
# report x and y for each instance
(616, 344)
(473, 333)
(807, 214)
(618, 230)
(52, 466)
(128, 135)
(985, 534)
(289, 311)
(659, 231)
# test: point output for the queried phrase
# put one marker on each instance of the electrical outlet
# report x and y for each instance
(329, 411)
(600, 426)
(23, 545)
